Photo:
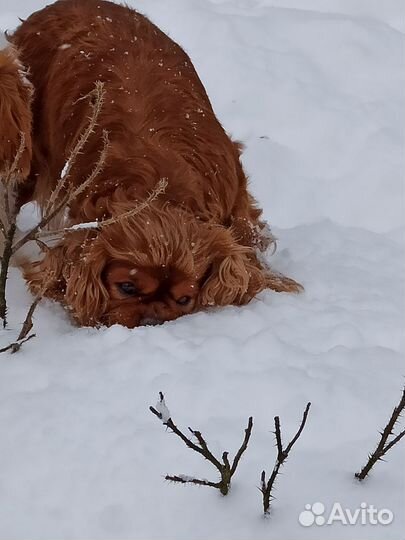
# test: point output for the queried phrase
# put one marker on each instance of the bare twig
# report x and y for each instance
(158, 190)
(96, 99)
(183, 479)
(14, 172)
(16, 345)
(94, 173)
(56, 203)
(383, 446)
(5, 263)
(98, 225)
(282, 455)
(8, 228)
(3, 230)
(10, 178)
(225, 469)
(28, 323)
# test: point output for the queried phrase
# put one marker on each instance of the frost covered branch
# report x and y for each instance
(225, 469)
(282, 455)
(383, 446)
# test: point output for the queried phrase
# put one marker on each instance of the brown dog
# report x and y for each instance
(195, 245)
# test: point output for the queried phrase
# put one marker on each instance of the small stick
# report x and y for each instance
(96, 98)
(98, 225)
(27, 324)
(5, 263)
(225, 469)
(9, 227)
(94, 173)
(383, 446)
(182, 479)
(282, 455)
(16, 346)
(9, 179)
(56, 207)
(159, 189)
(3, 229)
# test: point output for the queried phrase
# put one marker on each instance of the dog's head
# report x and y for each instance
(155, 267)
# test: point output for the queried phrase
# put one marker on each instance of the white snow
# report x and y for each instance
(315, 89)
(87, 225)
(3, 40)
(29, 216)
(68, 164)
(161, 408)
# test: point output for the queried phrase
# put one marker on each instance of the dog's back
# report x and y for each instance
(155, 104)
(15, 113)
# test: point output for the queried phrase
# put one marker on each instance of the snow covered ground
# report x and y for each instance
(315, 88)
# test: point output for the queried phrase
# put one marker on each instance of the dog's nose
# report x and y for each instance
(150, 321)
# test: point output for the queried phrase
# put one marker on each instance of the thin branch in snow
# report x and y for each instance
(16, 345)
(266, 487)
(9, 180)
(94, 173)
(3, 230)
(96, 99)
(28, 323)
(59, 204)
(183, 479)
(5, 263)
(225, 469)
(158, 190)
(384, 445)
(25, 330)
(98, 225)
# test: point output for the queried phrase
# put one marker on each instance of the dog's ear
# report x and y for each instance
(44, 277)
(233, 274)
(71, 273)
(15, 113)
(86, 295)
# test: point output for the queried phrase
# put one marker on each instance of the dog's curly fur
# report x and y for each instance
(15, 112)
(195, 245)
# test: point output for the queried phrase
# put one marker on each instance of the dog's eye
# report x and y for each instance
(127, 288)
(184, 300)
